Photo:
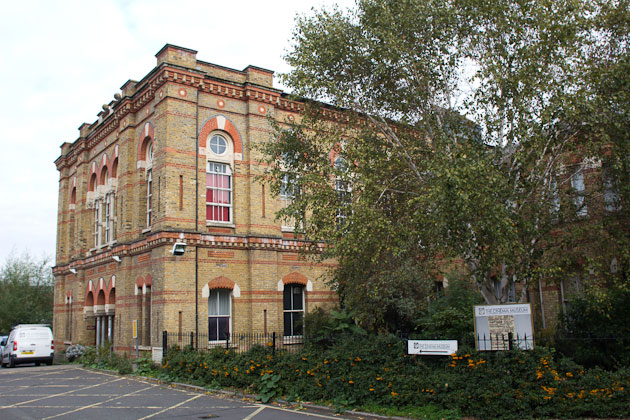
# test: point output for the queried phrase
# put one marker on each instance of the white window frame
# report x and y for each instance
(287, 195)
(98, 214)
(211, 167)
(110, 234)
(214, 293)
(285, 311)
(579, 198)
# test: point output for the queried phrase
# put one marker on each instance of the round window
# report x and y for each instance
(218, 144)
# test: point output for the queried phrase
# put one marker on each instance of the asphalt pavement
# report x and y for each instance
(72, 392)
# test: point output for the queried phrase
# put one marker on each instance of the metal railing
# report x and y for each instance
(494, 342)
(237, 342)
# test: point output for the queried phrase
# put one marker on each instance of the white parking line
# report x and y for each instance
(58, 395)
(254, 413)
(170, 408)
(99, 403)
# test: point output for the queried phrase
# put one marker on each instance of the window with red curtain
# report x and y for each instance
(218, 192)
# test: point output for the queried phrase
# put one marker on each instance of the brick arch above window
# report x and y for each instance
(146, 137)
(221, 282)
(220, 122)
(295, 278)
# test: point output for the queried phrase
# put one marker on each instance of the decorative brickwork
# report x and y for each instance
(129, 273)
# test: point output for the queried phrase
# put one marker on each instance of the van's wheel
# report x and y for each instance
(49, 362)
(37, 363)
(11, 363)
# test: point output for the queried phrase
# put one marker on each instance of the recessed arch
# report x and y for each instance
(100, 299)
(146, 139)
(114, 173)
(220, 122)
(112, 297)
(104, 176)
(93, 182)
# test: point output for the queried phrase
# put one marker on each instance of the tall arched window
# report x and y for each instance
(219, 181)
(219, 314)
(98, 211)
(293, 308)
(149, 184)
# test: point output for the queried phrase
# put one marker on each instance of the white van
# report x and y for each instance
(29, 343)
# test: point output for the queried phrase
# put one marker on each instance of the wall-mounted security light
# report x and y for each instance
(116, 258)
(179, 248)
(73, 270)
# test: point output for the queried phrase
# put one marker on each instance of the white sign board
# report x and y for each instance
(502, 327)
(432, 347)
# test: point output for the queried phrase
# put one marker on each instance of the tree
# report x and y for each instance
(26, 292)
(451, 124)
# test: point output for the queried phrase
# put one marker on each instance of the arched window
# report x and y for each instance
(109, 210)
(219, 181)
(98, 214)
(73, 196)
(219, 314)
(293, 308)
(579, 198)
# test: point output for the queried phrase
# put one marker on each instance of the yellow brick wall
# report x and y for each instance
(251, 253)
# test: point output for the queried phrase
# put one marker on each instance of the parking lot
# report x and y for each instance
(71, 392)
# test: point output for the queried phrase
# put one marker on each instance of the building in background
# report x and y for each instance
(169, 161)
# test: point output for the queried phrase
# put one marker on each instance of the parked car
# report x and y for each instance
(29, 343)
(3, 342)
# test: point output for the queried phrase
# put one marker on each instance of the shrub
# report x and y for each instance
(596, 333)
(450, 316)
(74, 352)
(374, 370)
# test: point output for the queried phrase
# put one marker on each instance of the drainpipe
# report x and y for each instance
(542, 307)
(197, 216)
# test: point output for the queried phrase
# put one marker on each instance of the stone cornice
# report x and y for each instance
(202, 240)
(110, 120)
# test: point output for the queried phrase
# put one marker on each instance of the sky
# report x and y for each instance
(60, 61)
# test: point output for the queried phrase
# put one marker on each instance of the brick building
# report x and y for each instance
(169, 161)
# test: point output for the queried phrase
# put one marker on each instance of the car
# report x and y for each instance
(3, 342)
(28, 343)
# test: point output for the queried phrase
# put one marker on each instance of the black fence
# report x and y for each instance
(234, 341)
(504, 342)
